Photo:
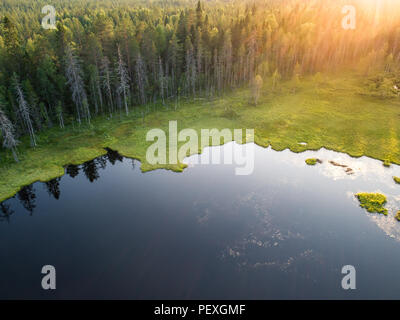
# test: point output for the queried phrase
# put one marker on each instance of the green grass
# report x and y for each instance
(334, 113)
(396, 179)
(373, 202)
(311, 161)
(386, 163)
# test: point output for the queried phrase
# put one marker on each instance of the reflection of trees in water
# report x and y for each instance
(53, 188)
(113, 156)
(101, 162)
(6, 212)
(27, 198)
(90, 170)
(72, 170)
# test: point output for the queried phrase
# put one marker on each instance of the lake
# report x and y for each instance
(284, 232)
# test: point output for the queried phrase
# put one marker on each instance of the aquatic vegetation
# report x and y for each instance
(396, 179)
(337, 164)
(348, 170)
(398, 215)
(372, 202)
(386, 163)
(313, 161)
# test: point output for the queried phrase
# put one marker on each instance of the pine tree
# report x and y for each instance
(173, 51)
(190, 68)
(227, 58)
(161, 80)
(199, 14)
(95, 88)
(141, 78)
(11, 38)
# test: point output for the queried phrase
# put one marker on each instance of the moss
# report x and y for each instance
(396, 179)
(386, 163)
(373, 202)
(311, 161)
(398, 215)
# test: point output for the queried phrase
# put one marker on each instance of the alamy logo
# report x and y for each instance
(49, 280)
(349, 280)
(49, 21)
(349, 20)
(158, 153)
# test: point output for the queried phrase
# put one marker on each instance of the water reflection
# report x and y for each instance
(207, 233)
(336, 166)
(367, 175)
(27, 196)
(90, 169)
(72, 170)
(53, 188)
(6, 212)
(113, 156)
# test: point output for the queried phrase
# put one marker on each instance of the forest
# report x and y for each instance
(109, 57)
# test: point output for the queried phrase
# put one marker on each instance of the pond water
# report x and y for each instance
(284, 232)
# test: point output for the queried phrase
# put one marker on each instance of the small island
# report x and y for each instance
(373, 202)
(386, 163)
(313, 161)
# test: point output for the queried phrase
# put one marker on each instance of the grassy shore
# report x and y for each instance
(333, 112)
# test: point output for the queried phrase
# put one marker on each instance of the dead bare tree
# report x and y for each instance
(8, 133)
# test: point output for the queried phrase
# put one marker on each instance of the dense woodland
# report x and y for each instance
(108, 57)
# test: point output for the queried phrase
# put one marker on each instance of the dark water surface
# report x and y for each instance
(285, 231)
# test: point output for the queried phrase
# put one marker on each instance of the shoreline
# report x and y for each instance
(342, 121)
